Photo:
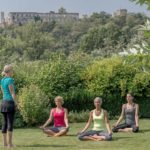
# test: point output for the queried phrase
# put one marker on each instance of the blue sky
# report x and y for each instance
(81, 6)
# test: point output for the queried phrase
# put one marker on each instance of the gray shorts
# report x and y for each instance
(58, 129)
(93, 132)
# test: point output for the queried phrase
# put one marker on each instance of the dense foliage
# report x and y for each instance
(99, 34)
(79, 61)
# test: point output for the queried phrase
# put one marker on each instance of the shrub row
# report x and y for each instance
(79, 78)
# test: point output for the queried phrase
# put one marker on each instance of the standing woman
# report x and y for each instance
(60, 117)
(8, 105)
(130, 112)
(100, 118)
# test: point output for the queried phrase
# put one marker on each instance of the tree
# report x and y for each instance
(62, 10)
(141, 2)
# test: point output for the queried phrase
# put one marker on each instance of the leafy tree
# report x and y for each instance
(62, 10)
(141, 2)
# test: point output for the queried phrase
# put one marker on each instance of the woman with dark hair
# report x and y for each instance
(100, 118)
(8, 105)
(130, 112)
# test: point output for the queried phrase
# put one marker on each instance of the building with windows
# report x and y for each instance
(21, 18)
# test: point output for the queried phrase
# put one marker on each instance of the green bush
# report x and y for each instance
(78, 116)
(112, 78)
(33, 105)
(18, 122)
(61, 75)
(79, 78)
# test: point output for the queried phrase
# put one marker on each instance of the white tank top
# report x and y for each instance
(98, 121)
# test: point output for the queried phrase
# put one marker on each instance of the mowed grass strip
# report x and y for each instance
(34, 139)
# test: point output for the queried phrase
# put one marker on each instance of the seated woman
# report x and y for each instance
(60, 117)
(99, 116)
(130, 111)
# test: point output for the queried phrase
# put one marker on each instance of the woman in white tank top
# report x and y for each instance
(100, 119)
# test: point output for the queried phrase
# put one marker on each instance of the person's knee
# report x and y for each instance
(4, 128)
(108, 137)
(10, 128)
(80, 137)
(115, 130)
(135, 129)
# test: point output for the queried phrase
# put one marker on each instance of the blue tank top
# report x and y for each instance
(5, 82)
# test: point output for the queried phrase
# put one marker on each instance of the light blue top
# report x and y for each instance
(5, 82)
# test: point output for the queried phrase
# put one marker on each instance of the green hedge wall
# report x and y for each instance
(79, 78)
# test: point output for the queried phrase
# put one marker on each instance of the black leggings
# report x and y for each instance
(8, 119)
(123, 126)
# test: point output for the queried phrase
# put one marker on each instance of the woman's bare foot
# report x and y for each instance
(11, 146)
(5, 145)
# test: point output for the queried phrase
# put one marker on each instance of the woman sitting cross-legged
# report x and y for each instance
(99, 117)
(130, 112)
(60, 117)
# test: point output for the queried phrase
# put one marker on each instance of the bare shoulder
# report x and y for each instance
(65, 109)
(52, 110)
(105, 111)
(91, 112)
(124, 105)
(136, 105)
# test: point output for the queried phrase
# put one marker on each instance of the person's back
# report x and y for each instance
(5, 82)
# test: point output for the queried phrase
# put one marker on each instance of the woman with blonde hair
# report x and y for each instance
(100, 118)
(60, 117)
(8, 105)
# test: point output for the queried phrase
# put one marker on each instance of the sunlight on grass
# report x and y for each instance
(34, 139)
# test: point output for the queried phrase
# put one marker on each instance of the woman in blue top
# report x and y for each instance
(8, 105)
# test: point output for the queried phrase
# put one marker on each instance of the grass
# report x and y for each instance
(34, 139)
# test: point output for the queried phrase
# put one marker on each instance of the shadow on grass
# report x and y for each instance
(120, 138)
(45, 145)
(144, 130)
(71, 135)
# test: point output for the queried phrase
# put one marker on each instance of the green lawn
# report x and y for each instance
(34, 139)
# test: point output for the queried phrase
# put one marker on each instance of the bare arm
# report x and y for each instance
(12, 91)
(1, 91)
(137, 115)
(107, 122)
(49, 119)
(66, 118)
(89, 122)
(121, 116)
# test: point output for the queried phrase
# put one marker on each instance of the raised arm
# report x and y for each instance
(137, 115)
(107, 122)
(122, 115)
(88, 123)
